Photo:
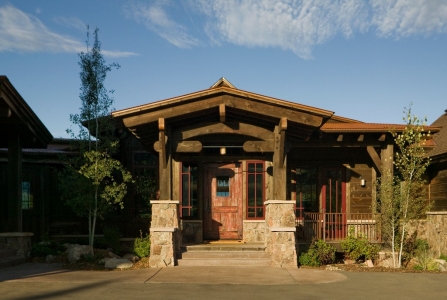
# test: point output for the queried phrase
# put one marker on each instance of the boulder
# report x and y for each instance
(133, 258)
(49, 258)
(113, 255)
(118, 263)
(75, 251)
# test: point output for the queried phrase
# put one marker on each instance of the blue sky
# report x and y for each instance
(365, 60)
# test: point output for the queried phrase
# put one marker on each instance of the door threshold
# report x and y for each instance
(223, 242)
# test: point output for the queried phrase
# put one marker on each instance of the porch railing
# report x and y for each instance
(336, 226)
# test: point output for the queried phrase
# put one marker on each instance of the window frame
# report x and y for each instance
(256, 206)
(190, 207)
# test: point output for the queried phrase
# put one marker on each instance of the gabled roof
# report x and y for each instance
(222, 82)
(16, 115)
(441, 136)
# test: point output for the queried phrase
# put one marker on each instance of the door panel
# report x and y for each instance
(223, 201)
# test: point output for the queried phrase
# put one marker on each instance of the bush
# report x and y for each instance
(357, 247)
(43, 249)
(319, 253)
(142, 245)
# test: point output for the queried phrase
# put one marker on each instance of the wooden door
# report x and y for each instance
(334, 203)
(223, 201)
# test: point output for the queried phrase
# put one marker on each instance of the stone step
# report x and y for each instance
(224, 247)
(225, 254)
(196, 262)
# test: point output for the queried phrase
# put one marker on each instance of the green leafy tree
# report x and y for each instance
(402, 196)
(94, 182)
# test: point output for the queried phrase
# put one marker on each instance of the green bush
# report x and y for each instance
(46, 248)
(357, 247)
(319, 253)
(142, 245)
(443, 256)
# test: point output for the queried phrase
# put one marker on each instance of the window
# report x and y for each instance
(27, 197)
(223, 186)
(189, 191)
(305, 189)
(145, 171)
(255, 190)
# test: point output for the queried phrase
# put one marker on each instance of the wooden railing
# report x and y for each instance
(336, 226)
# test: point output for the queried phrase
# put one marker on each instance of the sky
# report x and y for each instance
(364, 60)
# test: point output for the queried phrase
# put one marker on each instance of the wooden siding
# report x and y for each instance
(438, 187)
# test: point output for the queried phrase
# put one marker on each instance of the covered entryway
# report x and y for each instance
(223, 201)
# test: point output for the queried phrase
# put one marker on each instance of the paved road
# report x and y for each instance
(49, 281)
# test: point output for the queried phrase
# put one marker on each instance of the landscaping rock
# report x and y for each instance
(349, 261)
(133, 258)
(118, 263)
(49, 258)
(442, 264)
(369, 263)
(75, 251)
(113, 255)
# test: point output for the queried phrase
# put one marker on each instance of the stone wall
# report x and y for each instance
(434, 230)
(18, 241)
(165, 234)
(254, 231)
(280, 233)
(192, 231)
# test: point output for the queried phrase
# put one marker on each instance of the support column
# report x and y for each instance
(280, 233)
(387, 157)
(165, 234)
(14, 183)
(165, 175)
(280, 162)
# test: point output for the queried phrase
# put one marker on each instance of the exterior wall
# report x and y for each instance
(359, 197)
(434, 230)
(254, 231)
(438, 187)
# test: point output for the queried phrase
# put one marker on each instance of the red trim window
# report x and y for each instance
(255, 190)
(188, 191)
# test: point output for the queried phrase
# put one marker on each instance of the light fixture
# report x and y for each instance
(362, 181)
(223, 151)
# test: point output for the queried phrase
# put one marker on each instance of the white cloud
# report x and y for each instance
(71, 22)
(400, 18)
(300, 25)
(155, 18)
(23, 32)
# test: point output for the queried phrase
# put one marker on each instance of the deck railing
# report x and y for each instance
(336, 226)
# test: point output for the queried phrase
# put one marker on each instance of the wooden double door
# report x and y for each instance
(223, 211)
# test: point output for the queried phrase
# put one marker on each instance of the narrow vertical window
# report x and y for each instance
(189, 191)
(27, 197)
(255, 190)
(145, 172)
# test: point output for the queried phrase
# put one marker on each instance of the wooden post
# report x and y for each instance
(14, 183)
(387, 157)
(279, 162)
(165, 163)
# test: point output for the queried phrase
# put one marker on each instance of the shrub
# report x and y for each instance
(443, 256)
(142, 245)
(46, 248)
(319, 253)
(357, 247)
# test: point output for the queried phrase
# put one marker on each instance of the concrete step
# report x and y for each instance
(195, 262)
(224, 255)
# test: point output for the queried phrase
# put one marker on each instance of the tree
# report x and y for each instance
(402, 197)
(94, 182)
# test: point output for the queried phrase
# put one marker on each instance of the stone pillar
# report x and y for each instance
(280, 233)
(165, 234)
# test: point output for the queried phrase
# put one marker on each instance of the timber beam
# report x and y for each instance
(222, 114)
(182, 147)
(162, 140)
(259, 146)
(5, 112)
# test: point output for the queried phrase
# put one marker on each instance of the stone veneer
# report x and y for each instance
(19, 241)
(254, 231)
(165, 234)
(192, 231)
(434, 230)
(280, 233)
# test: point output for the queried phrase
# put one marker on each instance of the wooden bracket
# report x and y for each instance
(361, 138)
(5, 112)
(375, 158)
(222, 113)
(340, 138)
(282, 139)
(382, 137)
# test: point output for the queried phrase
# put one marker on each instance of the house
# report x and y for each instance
(232, 164)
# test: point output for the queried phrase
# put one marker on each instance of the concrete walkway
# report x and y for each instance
(50, 281)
